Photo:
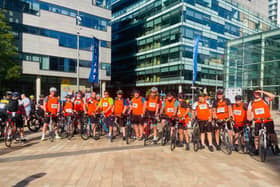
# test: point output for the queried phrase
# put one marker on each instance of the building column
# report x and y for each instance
(180, 88)
(103, 87)
(38, 87)
(262, 62)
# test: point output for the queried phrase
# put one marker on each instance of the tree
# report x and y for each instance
(10, 69)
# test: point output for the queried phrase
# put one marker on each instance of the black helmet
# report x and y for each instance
(120, 92)
(136, 91)
(16, 94)
(220, 91)
(170, 94)
(238, 98)
(9, 93)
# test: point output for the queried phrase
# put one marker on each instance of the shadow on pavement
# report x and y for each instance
(29, 179)
(16, 147)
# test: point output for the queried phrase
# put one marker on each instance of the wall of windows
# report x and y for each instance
(65, 39)
(34, 6)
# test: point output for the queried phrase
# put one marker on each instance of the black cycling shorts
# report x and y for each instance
(93, 119)
(220, 125)
(151, 115)
(205, 126)
(18, 120)
(183, 126)
(269, 128)
(48, 118)
(136, 120)
(109, 121)
(120, 121)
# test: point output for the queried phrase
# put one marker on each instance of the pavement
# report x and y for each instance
(100, 163)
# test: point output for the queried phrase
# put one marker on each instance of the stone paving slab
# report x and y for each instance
(101, 163)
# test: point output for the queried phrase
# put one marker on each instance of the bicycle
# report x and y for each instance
(88, 130)
(129, 131)
(66, 128)
(226, 145)
(35, 122)
(265, 141)
(115, 128)
(101, 123)
(165, 137)
(174, 135)
(245, 140)
(195, 135)
(147, 129)
(11, 131)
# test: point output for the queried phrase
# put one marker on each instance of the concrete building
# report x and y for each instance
(47, 34)
(274, 11)
(258, 6)
(153, 41)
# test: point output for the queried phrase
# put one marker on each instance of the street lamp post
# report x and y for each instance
(79, 19)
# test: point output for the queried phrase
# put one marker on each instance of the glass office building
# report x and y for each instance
(254, 62)
(152, 43)
(46, 34)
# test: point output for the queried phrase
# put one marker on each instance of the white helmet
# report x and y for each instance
(154, 89)
(53, 89)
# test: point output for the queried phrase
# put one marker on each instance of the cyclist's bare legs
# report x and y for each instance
(202, 138)
(187, 136)
(141, 127)
(230, 132)
(209, 137)
(136, 130)
(181, 135)
(217, 136)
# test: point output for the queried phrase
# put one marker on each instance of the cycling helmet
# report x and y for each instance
(170, 94)
(16, 94)
(136, 91)
(69, 96)
(238, 98)
(9, 93)
(120, 92)
(31, 96)
(53, 89)
(154, 89)
(220, 91)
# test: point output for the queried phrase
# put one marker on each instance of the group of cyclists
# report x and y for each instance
(211, 115)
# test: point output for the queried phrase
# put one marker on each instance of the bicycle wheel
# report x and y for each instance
(173, 141)
(62, 131)
(112, 135)
(33, 124)
(85, 132)
(8, 139)
(226, 143)
(262, 148)
(70, 130)
(127, 133)
(145, 139)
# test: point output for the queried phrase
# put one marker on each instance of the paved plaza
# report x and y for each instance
(101, 163)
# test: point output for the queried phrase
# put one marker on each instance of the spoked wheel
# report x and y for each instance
(84, 133)
(8, 139)
(127, 134)
(173, 141)
(33, 124)
(225, 143)
(145, 139)
(164, 137)
(70, 130)
(62, 130)
(51, 135)
(262, 148)
(98, 132)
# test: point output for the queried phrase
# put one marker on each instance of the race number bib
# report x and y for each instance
(259, 111)
(77, 102)
(105, 104)
(135, 105)
(221, 110)
(2, 105)
(203, 107)
(152, 105)
(170, 110)
(237, 112)
(69, 110)
(54, 106)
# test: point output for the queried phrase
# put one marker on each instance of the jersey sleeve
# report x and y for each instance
(163, 104)
(100, 103)
(125, 102)
(194, 106)
(111, 101)
(228, 102)
(46, 99)
(143, 100)
(176, 104)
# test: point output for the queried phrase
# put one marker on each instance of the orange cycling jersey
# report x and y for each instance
(182, 111)
(105, 104)
(203, 112)
(137, 106)
(78, 105)
(118, 107)
(52, 105)
(91, 105)
(222, 110)
(261, 110)
(169, 107)
(240, 114)
(152, 103)
(68, 108)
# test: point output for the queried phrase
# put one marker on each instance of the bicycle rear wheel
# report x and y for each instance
(225, 143)
(70, 130)
(262, 148)
(33, 124)
(173, 141)
(8, 139)
(85, 132)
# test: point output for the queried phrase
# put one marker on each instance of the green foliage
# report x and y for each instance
(9, 63)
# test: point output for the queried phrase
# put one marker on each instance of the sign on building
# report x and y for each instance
(230, 93)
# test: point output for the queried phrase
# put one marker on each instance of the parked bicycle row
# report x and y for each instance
(216, 123)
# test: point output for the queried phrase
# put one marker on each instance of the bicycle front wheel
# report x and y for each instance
(8, 138)
(262, 148)
(225, 143)
(85, 132)
(173, 142)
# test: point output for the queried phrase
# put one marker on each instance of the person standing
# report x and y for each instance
(27, 106)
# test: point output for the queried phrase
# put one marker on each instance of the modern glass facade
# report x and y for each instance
(152, 41)
(48, 34)
(254, 62)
